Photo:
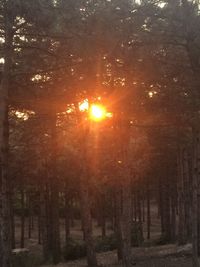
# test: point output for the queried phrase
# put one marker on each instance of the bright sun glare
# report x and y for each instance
(97, 112)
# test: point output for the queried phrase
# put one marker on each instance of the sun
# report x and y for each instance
(97, 112)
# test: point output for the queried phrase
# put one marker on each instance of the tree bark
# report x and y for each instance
(22, 218)
(126, 222)
(118, 208)
(195, 204)
(5, 220)
(148, 210)
(87, 220)
(54, 189)
(85, 200)
(44, 216)
(181, 204)
(67, 215)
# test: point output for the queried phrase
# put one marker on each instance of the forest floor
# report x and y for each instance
(149, 255)
(159, 256)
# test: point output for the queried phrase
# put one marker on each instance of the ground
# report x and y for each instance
(147, 256)
(159, 256)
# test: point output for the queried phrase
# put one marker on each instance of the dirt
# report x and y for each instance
(159, 256)
(149, 256)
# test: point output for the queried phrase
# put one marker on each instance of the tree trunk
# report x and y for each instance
(102, 214)
(85, 179)
(148, 210)
(44, 222)
(67, 216)
(12, 214)
(118, 208)
(181, 206)
(195, 204)
(126, 183)
(87, 219)
(187, 199)
(173, 191)
(22, 218)
(166, 211)
(54, 189)
(126, 222)
(29, 215)
(39, 227)
(143, 205)
(5, 220)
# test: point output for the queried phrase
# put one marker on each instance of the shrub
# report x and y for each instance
(25, 259)
(106, 243)
(74, 249)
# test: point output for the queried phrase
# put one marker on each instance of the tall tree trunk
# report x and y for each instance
(143, 205)
(181, 206)
(118, 208)
(101, 211)
(39, 227)
(187, 199)
(5, 219)
(54, 188)
(87, 219)
(173, 191)
(67, 215)
(22, 218)
(126, 184)
(148, 209)
(72, 220)
(12, 214)
(139, 209)
(44, 216)
(29, 214)
(195, 204)
(85, 199)
(126, 221)
(166, 211)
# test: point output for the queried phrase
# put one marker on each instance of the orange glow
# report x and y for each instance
(97, 112)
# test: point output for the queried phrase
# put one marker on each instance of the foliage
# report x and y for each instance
(26, 260)
(106, 243)
(74, 249)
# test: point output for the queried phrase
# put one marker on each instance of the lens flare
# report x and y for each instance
(97, 112)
